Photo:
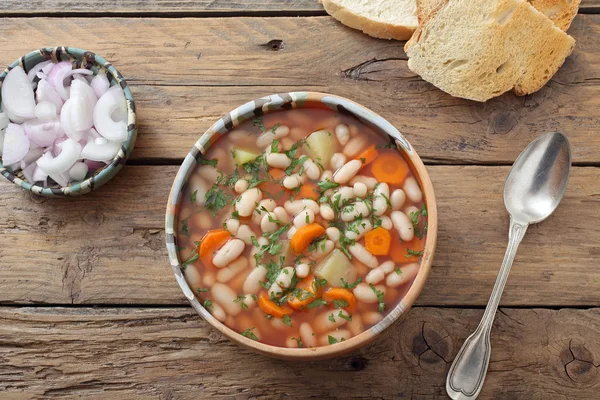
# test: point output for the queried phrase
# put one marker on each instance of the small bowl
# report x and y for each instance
(286, 101)
(80, 59)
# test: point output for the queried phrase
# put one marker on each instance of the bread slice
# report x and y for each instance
(561, 12)
(479, 49)
(385, 19)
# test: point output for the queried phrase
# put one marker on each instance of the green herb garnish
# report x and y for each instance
(351, 286)
(249, 334)
(287, 320)
(380, 297)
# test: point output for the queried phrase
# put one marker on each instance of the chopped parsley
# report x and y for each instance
(249, 334)
(193, 196)
(258, 122)
(398, 271)
(413, 253)
(216, 199)
(299, 341)
(344, 244)
(380, 297)
(184, 227)
(327, 184)
(331, 318)
(203, 161)
(348, 318)
(331, 339)
(350, 286)
(316, 303)
(287, 320)
(241, 299)
(191, 259)
(341, 303)
(202, 290)
(208, 305)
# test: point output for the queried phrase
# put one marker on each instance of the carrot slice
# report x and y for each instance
(368, 156)
(340, 294)
(269, 307)
(309, 285)
(211, 242)
(305, 235)
(390, 167)
(378, 241)
(270, 186)
(308, 191)
(399, 250)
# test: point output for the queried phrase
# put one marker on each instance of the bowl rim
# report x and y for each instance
(82, 59)
(281, 102)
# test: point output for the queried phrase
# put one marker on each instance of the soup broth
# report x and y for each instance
(301, 228)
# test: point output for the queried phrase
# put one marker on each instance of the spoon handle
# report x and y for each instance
(467, 373)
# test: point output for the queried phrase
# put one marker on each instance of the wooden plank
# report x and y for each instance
(162, 7)
(187, 72)
(108, 247)
(171, 353)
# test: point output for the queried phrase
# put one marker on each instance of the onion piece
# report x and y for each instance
(78, 171)
(57, 76)
(100, 83)
(100, 152)
(4, 121)
(94, 165)
(66, 121)
(110, 101)
(42, 133)
(16, 144)
(45, 92)
(32, 155)
(28, 172)
(80, 71)
(83, 101)
(60, 179)
(39, 174)
(45, 111)
(37, 68)
(17, 94)
(71, 150)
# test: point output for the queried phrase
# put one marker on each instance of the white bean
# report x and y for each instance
(381, 197)
(345, 192)
(287, 143)
(302, 270)
(378, 274)
(294, 207)
(407, 274)
(355, 325)
(241, 186)
(333, 234)
(292, 342)
(275, 290)
(369, 181)
(292, 181)
(263, 241)
(307, 335)
(360, 189)
(412, 190)
(397, 199)
(304, 217)
(330, 320)
(225, 296)
(322, 250)
(403, 225)
(339, 335)
(372, 317)
(277, 149)
(192, 277)
(311, 169)
(209, 278)
(386, 223)
(363, 255)
(246, 202)
(337, 161)
(410, 210)
(263, 206)
(284, 279)
(347, 171)
(245, 233)
(355, 146)
(342, 133)
(327, 212)
(228, 273)
(266, 138)
(232, 225)
(278, 160)
(249, 301)
(355, 210)
(218, 312)
(228, 252)
(208, 173)
(365, 293)
(281, 214)
(291, 232)
(200, 187)
(279, 325)
(267, 223)
(326, 175)
(359, 228)
(252, 282)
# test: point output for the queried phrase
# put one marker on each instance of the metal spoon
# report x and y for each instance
(534, 187)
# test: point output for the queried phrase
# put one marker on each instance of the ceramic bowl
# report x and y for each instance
(80, 59)
(287, 101)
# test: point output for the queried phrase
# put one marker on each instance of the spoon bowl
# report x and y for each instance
(538, 179)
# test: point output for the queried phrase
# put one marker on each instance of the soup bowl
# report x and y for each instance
(282, 102)
(80, 59)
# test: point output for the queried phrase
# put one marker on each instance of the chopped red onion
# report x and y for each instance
(38, 68)
(66, 121)
(3, 120)
(57, 76)
(71, 150)
(98, 151)
(45, 92)
(16, 144)
(17, 94)
(83, 102)
(78, 171)
(28, 172)
(39, 174)
(42, 133)
(100, 84)
(32, 155)
(45, 110)
(110, 101)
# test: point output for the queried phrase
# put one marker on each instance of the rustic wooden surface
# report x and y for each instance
(88, 304)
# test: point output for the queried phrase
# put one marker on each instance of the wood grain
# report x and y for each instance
(107, 247)
(170, 353)
(162, 7)
(188, 72)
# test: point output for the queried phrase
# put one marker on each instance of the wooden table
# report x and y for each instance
(90, 308)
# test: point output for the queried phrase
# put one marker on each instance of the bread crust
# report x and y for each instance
(378, 29)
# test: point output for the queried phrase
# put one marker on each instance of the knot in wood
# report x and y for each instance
(274, 45)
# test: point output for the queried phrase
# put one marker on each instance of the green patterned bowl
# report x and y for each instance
(80, 59)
